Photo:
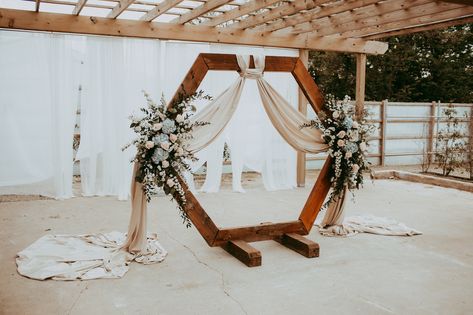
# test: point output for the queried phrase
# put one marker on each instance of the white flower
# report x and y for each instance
(165, 164)
(149, 144)
(348, 155)
(137, 128)
(341, 143)
(355, 125)
(173, 137)
(157, 126)
(341, 134)
(179, 151)
(362, 146)
(355, 168)
(170, 182)
(179, 118)
(336, 114)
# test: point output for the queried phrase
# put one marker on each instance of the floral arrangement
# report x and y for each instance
(347, 141)
(162, 153)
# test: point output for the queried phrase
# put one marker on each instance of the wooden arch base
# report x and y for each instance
(235, 240)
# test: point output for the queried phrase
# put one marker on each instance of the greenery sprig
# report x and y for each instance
(162, 146)
(347, 141)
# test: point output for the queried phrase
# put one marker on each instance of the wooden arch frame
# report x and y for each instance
(234, 240)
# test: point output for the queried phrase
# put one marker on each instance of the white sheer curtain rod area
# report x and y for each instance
(39, 98)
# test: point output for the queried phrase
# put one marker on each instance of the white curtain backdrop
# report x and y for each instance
(38, 93)
(117, 70)
(38, 98)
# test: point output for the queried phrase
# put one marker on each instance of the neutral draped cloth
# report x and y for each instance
(107, 255)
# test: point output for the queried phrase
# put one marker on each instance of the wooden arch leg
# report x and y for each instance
(300, 244)
(244, 252)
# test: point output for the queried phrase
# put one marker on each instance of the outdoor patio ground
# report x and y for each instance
(363, 274)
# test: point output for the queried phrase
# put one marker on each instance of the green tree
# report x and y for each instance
(434, 65)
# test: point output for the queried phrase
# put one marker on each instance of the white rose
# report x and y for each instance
(179, 118)
(157, 126)
(165, 145)
(165, 164)
(348, 155)
(179, 151)
(362, 146)
(336, 114)
(137, 128)
(355, 168)
(170, 182)
(341, 143)
(341, 134)
(149, 144)
(173, 137)
(355, 125)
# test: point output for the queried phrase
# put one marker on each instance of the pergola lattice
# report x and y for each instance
(332, 25)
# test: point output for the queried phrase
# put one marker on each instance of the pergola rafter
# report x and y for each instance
(332, 25)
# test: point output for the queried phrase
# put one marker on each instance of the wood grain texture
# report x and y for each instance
(261, 232)
(317, 197)
(244, 252)
(300, 244)
(309, 88)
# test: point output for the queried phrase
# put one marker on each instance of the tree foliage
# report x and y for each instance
(428, 66)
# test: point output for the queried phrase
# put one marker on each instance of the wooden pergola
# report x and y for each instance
(350, 26)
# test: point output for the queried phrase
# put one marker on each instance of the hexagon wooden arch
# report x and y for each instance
(234, 240)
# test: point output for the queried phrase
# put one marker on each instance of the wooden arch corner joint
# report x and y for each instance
(235, 240)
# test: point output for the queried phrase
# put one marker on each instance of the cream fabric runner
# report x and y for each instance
(108, 255)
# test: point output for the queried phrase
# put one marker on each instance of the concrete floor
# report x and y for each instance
(364, 274)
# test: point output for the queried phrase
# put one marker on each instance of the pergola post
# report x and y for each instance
(360, 85)
(302, 106)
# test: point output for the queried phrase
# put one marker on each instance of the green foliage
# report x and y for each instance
(451, 146)
(435, 65)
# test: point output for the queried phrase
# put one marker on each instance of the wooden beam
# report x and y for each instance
(275, 13)
(422, 28)
(228, 62)
(300, 244)
(80, 4)
(426, 9)
(160, 9)
(119, 8)
(200, 10)
(360, 85)
(357, 16)
(317, 196)
(250, 6)
(54, 22)
(415, 21)
(316, 13)
(244, 252)
(302, 107)
(309, 88)
(261, 232)
(464, 2)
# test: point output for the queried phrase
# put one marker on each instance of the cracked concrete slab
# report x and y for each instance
(364, 274)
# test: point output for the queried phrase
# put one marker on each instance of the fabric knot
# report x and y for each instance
(251, 74)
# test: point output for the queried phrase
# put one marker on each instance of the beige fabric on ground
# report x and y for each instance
(84, 257)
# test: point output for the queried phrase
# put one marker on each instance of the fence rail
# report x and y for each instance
(395, 125)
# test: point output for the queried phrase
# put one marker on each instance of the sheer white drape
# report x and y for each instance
(116, 70)
(38, 93)
(115, 73)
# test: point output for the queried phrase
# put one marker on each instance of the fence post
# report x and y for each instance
(470, 142)
(430, 139)
(382, 145)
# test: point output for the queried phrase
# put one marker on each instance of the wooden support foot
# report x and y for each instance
(299, 244)
(244, 252)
